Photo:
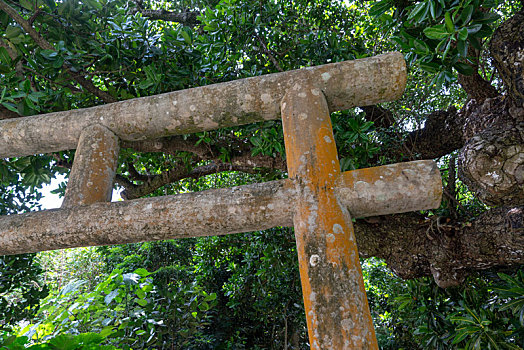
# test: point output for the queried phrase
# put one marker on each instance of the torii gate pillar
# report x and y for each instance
(335, 301)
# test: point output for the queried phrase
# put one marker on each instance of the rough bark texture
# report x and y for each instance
(21, 234)
(441, 135)
(414, 246)
(507, 50)
(187, 18)
(335, 302)
(492, 164)
(492, 160)
(345, 85)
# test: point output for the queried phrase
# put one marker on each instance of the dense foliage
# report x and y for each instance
(243, 291)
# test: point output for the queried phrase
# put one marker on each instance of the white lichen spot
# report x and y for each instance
(192, 108)
(313, 297)
(101, 118)
(331, 238)
(302, 94)
(248, 97)
(266, 98)
(327, 139)
(315, 92)
(337, 228)
(380, 184)
(326, 76)
(314, 260)
(270, 206)
(175, 103)
(302, 116)
(283, 105)
(493, 175)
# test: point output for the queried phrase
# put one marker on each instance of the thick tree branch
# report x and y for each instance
(187, 18)
(476, 87)
(414, 246)
(241, 160)
(381, 117)
(264, 48)
(44, 44)
(507, 50)
(441, 135)
(177, 174)
(173, 145)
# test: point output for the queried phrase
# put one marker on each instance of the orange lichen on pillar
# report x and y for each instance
(335, 301)
(94, 166)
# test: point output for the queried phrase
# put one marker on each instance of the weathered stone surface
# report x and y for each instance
(390, 189)
(94, 166)
(192, 215)
(345, 85)
(335, 302)
(213, 212)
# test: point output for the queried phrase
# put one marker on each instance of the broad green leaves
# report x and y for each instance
(447, 28)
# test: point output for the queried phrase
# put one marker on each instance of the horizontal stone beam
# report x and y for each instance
(345, 84)
(213, 212)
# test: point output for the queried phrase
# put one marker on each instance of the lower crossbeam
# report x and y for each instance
(214, 212)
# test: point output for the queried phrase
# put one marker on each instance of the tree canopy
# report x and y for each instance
(463, 106)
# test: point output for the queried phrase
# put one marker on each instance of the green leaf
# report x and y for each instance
(210, 297)
(12, 32)
(484, 31)
(420, 46)
(446, 50)
(49, 54)
(430, 67)
(490, 3)
(141, 302)
(4, 56)
(10, 107)
(27, 4)
(436, 32)
(186, 36)
(474, 28)
(62, 342)
(142, 272)
(465, 15)
(450, 26)
(418, 11)
(463, 34)
(460, 336)
(379, 8)
(58, 63)
(474, 42)
(462, 48)
(433, 8)
(485, 18)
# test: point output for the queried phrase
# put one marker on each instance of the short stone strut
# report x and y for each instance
(317, 199)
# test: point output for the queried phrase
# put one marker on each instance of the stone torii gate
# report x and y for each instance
(317, 199)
